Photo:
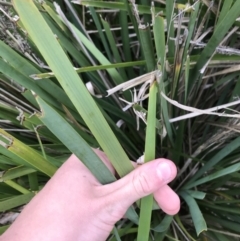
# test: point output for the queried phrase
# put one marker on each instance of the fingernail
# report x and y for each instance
(164, 171)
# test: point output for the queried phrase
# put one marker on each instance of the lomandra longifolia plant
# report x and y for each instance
(139, 80)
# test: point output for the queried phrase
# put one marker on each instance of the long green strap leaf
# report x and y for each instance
(150, 144)
(220, 30)
(15, 173)
(225, 8)
(116, 77)
(117, 5)
(3, 229)
(12, 73)
(159, 39)
(113, 47)
(164, 225)
(26, 68)
(125, 32)
(223, 172)
(96, 19)
(90, 69)
(216, 159)
(170, 27)
(147, 47)
(17, 187)
(76, 144)
(15, 201)
(198, 219)
(26, 153)
(72, 84)
(67, 44)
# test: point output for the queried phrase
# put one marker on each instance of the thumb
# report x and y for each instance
(141, 182)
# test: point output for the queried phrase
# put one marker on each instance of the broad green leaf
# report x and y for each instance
(170, 28)
(196, 194)
(116, 77)
(71, 83)
(187, 70)
(97, 22)
(113, 46)
(94, 68)
(220, 30)
(147, 46)
(191, 28)
(223, 209)
(149, 155)
(223, 237)
(224, 172)
(159, 37)
(225, 8)
(33, 181)
(116, 5)
(26, 153)
(3, 229)
(7, 190)
(12, 73)
(68, 46)
(216, 159)
(164, 225)
(125, 33)
(234, 226)
(17, 187)
(197, 217)
(159, 40)
(74, 142)
(15, 173)
(15, 201)
(13, 158)
(77, 145)
(24, 69)
(183, 228)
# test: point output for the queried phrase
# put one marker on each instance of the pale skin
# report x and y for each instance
(74, 206)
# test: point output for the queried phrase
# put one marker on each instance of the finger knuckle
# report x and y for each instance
(141, 184)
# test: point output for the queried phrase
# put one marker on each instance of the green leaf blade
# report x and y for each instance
(72, 84)
(198, 220)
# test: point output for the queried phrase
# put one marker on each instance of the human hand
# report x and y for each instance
(74, 206)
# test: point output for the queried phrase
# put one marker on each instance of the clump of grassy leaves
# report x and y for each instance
(160, 79)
